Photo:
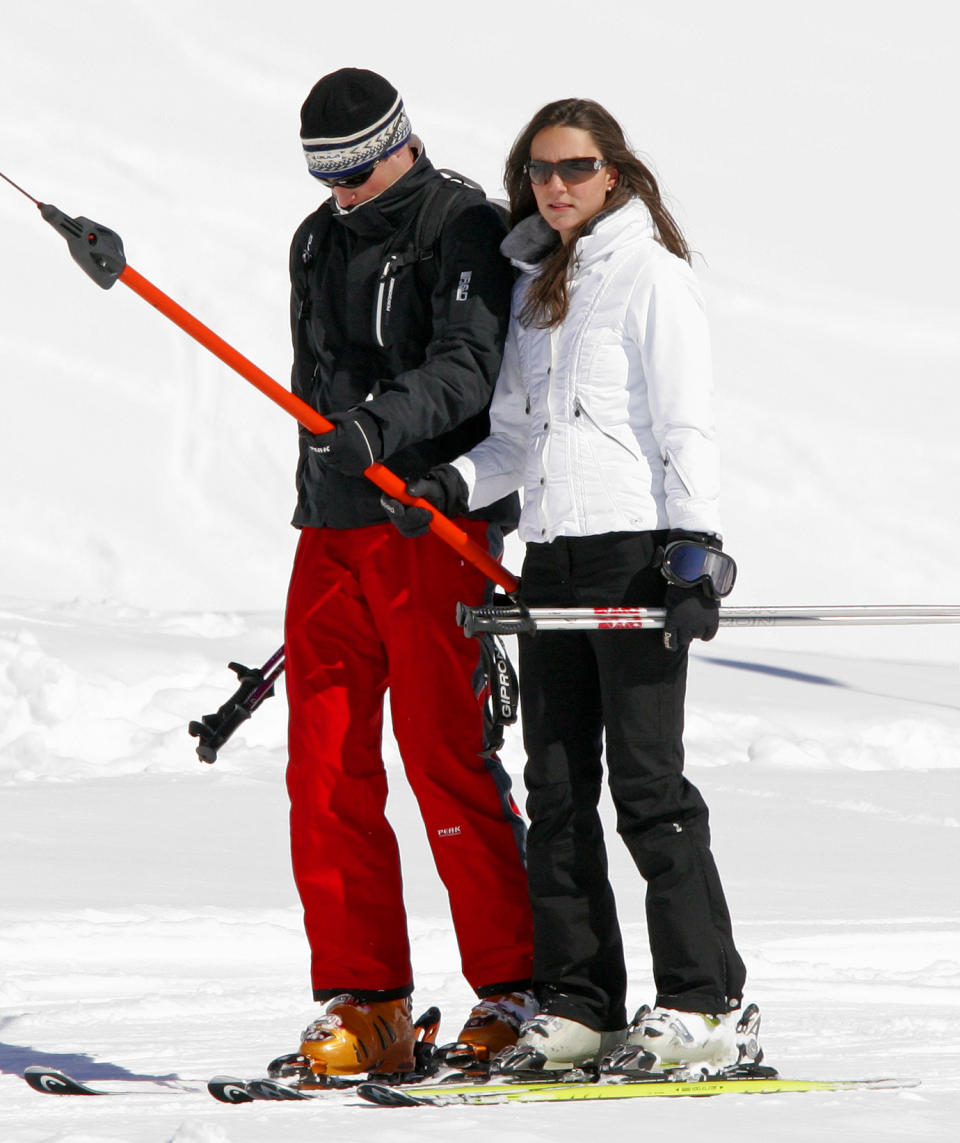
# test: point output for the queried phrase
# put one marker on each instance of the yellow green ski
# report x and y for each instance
(445, 1095)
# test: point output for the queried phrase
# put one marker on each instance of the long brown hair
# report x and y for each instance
(547, 299)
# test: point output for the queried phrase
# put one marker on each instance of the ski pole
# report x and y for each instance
(256, 685)
(98, 251)
(514, 619)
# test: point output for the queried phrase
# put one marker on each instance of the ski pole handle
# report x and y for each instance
(381, 476)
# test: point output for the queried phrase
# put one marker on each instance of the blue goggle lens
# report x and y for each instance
(687, 564)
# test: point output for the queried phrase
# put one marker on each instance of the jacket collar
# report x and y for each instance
(393, 208)
(533, 239)
(530, 242)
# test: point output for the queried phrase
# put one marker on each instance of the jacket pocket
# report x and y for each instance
(580, 410)
(670, 461)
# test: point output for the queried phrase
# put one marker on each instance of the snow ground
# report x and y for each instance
(149, 928)
(153, 932)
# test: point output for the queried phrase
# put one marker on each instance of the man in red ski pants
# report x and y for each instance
(400, 302)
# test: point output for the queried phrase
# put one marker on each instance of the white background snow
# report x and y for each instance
(150, 928)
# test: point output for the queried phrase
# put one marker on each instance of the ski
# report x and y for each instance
(438, 1095)
(223, 1088)
(52, 1081)
(49, 1081)
(231, 1089)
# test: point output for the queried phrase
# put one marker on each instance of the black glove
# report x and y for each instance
(443, 487)
(352, 445)
(691, 614)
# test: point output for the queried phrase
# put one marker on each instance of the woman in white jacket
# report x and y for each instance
(602, 415)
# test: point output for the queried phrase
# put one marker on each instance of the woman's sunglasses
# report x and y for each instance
(540, 172)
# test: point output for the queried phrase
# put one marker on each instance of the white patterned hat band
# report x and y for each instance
(353, 153)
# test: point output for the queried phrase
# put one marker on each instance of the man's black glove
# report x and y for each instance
(443, 487)
(352, 445)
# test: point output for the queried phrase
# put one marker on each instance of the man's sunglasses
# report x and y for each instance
(540, 172)
(355, 180)
(360, 177)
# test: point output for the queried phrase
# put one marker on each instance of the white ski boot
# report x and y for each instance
(693, 1039)
(556, 1044)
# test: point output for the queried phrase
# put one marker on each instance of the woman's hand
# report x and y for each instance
(443, 487)
(691, 614)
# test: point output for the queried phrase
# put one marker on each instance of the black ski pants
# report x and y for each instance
(577, 690)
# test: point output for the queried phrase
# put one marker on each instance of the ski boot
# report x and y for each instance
(557, 1045)
(493, 1025)
(354, 1038)
(699, 1043)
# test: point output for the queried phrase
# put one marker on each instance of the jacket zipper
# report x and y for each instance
(386, 278)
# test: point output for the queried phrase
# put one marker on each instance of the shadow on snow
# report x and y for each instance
(15, 1058)
(793, 676)
(776, 672)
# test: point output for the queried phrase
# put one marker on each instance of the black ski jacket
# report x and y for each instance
(414, 337)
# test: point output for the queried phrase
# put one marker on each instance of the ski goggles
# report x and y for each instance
(571, 171)
(686, 564)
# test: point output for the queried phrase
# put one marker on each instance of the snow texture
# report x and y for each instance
(150, 933)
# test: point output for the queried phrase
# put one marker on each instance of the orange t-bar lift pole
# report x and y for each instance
(99, 253)
(381, 476)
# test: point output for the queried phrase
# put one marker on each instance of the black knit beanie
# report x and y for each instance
(351, 118)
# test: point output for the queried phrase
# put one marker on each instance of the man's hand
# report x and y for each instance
(352, 445)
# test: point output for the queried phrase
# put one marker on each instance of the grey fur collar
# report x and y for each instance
(530, 241)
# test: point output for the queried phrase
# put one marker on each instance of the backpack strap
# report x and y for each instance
(442, 197)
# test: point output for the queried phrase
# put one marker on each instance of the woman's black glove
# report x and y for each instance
(442, 486)
(691, 614)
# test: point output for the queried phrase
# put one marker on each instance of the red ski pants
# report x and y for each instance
(370, 609)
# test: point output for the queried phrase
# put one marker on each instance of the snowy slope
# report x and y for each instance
(150, 927)
(153, 930)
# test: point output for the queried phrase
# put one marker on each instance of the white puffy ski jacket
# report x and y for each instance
(606, 420)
